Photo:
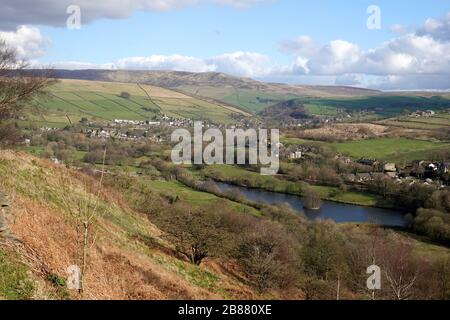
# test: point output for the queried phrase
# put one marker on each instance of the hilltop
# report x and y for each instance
(179, 79)
(255, 96)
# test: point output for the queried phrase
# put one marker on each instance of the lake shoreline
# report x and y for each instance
(233, 183)
(339, 212)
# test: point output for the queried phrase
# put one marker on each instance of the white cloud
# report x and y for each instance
(349, 79)
(422, 57)
(247, 64)
(53, 12)
(399, 29)
(301, 46)
(159, 62)
(438, 29)
(27, 41)
(242, 4)
(411, 82)
(419, 60)
(77, 65)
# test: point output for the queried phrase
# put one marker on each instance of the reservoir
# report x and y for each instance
(338, 212)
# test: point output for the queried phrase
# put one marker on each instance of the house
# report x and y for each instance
(427, 113)
(342, 159)
(368, 162)
(296, 155)
(377, 175)
(418, 163)
(349, 177)
(444, 167)
(391, 175)
(431, 167)
(390, 167)
(363, 177)
(56, 160)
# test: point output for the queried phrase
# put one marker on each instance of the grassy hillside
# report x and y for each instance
(437, 122)
(71, 100)
(390, 149)
(386, 149)
(255, 96)
(127, 260)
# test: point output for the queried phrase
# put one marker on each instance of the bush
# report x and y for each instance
(266, 257)
(434, 224)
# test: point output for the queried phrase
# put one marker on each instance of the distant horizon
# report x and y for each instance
(386, 45)
(250, 78)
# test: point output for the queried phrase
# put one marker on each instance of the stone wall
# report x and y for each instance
(4, 213)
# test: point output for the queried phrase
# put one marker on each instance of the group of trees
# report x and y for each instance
(281, 251)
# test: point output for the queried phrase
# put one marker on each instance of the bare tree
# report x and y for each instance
(400, 270)
(18, 86)
(84, 208)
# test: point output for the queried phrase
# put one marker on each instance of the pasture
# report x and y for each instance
(71, 100)
(390, 149)
(439, 121)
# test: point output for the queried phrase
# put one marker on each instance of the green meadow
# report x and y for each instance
(390, 149)
(71, 100)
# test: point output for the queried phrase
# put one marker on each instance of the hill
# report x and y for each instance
(178, 79)
(128, 259)
(255, 96)
(71, 100)
(248, 94)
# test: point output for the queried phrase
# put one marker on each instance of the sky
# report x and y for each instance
(380, 44)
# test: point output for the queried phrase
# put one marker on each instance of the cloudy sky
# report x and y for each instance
(323, 42)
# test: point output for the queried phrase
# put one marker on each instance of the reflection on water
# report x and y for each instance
(338, 212)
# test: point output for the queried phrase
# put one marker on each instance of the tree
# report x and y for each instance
(400, 269)
(125, 95)
(196, 233)
(84, 208)
(311, 199)
(17, 86)
(265, 255)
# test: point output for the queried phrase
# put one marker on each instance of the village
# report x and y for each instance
(417, 172)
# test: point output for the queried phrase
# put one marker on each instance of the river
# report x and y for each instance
(338, 212)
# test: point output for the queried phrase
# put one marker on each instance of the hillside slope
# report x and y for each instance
(178, 79)
(127, 260)
(255, 96)
(71, 100)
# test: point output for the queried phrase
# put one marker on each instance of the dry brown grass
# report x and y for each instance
(360, 131)
(120, 265)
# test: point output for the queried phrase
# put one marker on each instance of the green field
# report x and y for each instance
(390, 149)
(197, 198)
(425, 123)
(71, 100)
(384, 105)
(250, 100)
(322, 110)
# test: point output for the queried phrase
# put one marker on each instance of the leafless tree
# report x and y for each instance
(400, 270)
(84, 208)
(18, 86)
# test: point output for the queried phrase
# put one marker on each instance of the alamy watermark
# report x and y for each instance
(239, 146)
(374, 280)
(74, 278)
(374, 20)
(73, 22)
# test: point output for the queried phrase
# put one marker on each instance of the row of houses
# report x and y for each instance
(426, 114)
(367, 177)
